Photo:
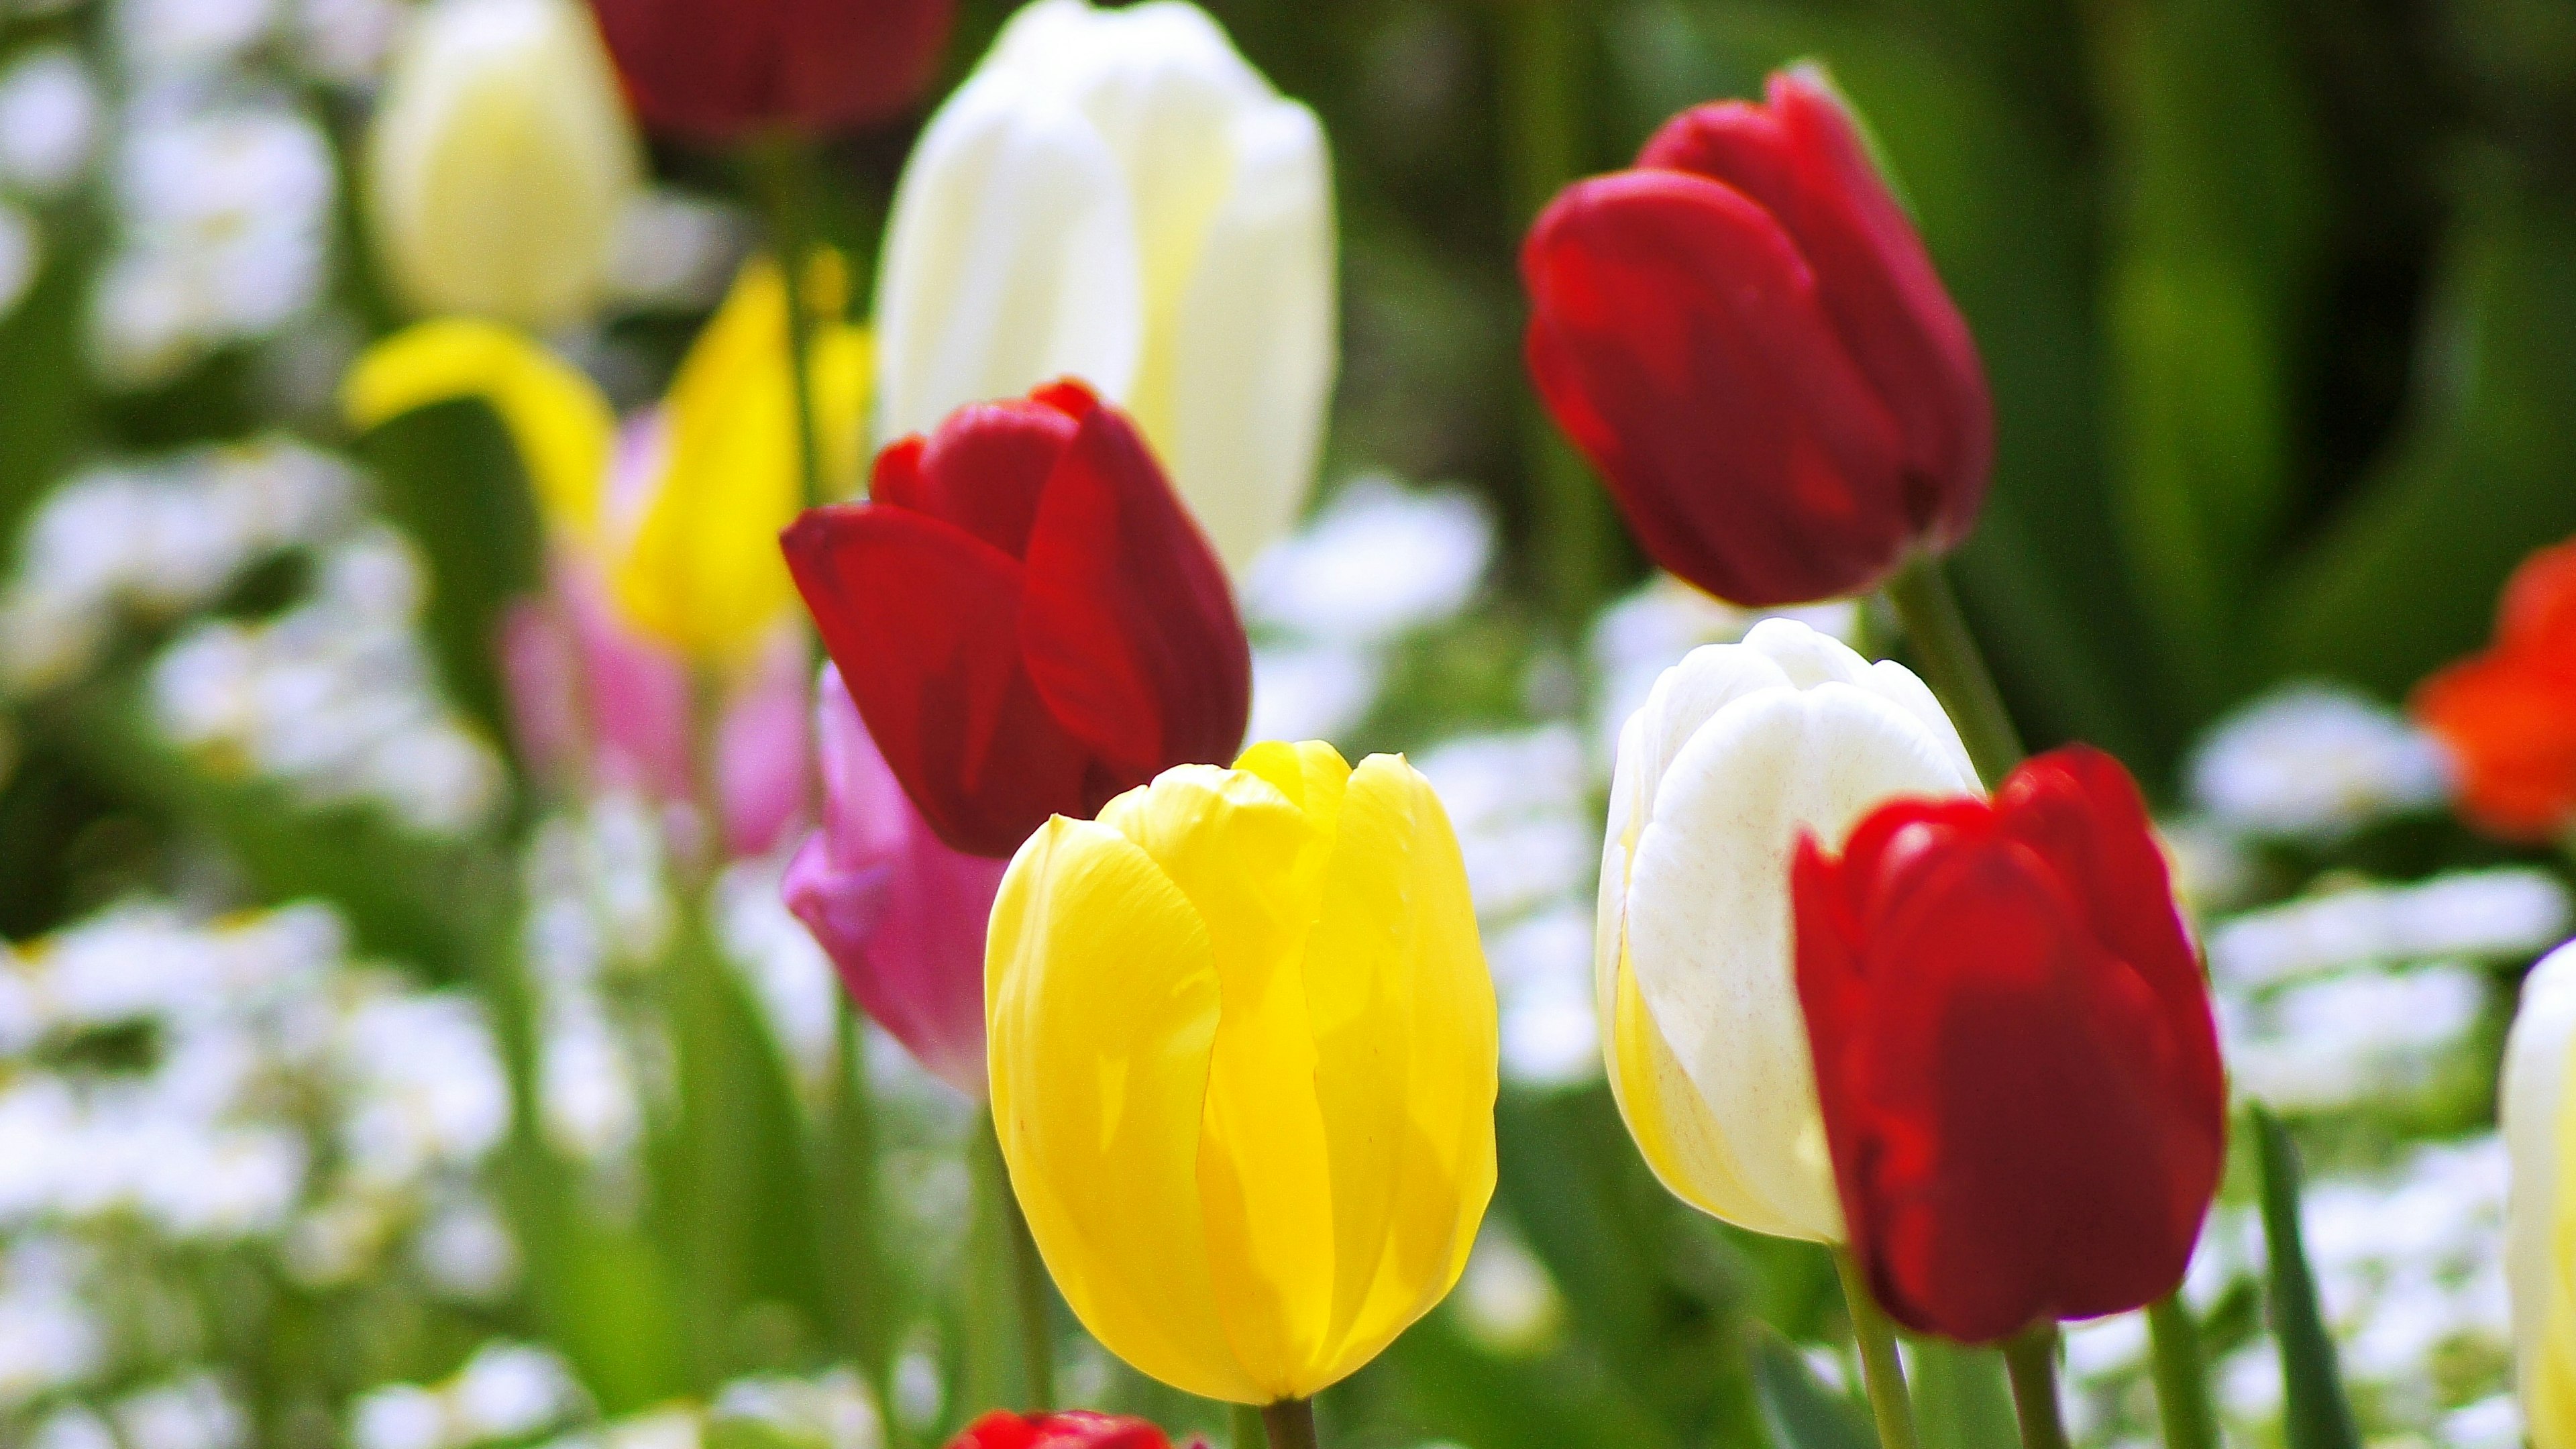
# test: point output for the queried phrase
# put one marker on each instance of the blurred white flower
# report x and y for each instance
(465, 1250)
(788, 974)
(72, 1427)
(184, 36)
(425, 1086)
(2315, 761)
(2479, 915)
(48, 1341)
(1312, 691)
(587, 1095)
(508, 1391)
(1380, 561)
(48, 121)
(192, 1413)
(1505, 1299)
(2365, 1035)
(399, 1416)
(345, 42)
(830, 1412)
(676, 250)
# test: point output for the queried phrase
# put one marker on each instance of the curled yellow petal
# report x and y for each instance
(702, 571)
(557, 418)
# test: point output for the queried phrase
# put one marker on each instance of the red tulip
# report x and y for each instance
(1077, 1429)
(721, 70)
(1026, 617)
(2507, 717)
(1746, 337)
(2014, 1051)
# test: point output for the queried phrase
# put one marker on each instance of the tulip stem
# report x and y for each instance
(1880, 1369)
(785, 174)
(1037, 1331)
(2031, 1358)
(1291, 1424)
(1946, 650)
(2182, 1377)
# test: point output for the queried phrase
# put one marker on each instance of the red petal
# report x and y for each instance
(717, 70)
(1128, 624)
(1678, 338)
(986, 467)
(923, 620)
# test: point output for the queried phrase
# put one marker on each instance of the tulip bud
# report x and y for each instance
(1739, 749)
(1746, 337)
(724, 70)
(1028, 619)
(1115, 195)
(2014, 1051)
(1244, 1066)
(1077, 1429)
(500, 162)
(2540, 1251)
(901, 915)
(2507, 718)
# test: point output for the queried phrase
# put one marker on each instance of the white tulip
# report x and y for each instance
(501, 161)
(1739, 749)
(1116, 195)
(2540, 1211)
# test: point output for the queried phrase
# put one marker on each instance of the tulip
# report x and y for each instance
(2507, 717)
(1026, 616)
(1244, 1066)
(1739, 749)
(726, 70)
(1115, 195)
(2540, 1252)
(1746, 337)
(500, 162)
(1075, 1430)
(2014, 1050)
(900, 914)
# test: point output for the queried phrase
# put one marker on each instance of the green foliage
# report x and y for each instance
(2317, 1415)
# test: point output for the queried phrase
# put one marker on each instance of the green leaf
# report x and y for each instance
(2406, 577)
(2315, 1414)
(449, 476)
(1799, 1411)
(1961, 1397)
(45, 411)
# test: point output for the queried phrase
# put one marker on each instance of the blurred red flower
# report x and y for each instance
(2014, 1051)
(721, 70)
(2508, 716)
(1027, 617)
(1076, 1429)
(1746, 337)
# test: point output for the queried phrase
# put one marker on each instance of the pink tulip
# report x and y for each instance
(763, 780)
(901, 915)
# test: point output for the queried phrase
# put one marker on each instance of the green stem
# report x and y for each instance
(1291, 1424)
(1037, 1328)
(1947, 653)
(991, 1307)
(1880, 1369)
(2031, 1357)
(1572, 528)
(1249, 1432)
(856, 1249)
(786, 171)
(2182, 1376)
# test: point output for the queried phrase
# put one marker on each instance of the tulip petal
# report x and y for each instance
(1708, 909)
(1102, 997)
(2539, 1128)
(559, 420)
(1011, 259)
(1250, 862)
(1403, 1014)
(985, 470)
(1236, 392)
(923, 620)
(1146, 666)
(1669, 309)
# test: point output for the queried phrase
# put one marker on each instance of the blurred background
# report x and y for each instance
(347, 1095)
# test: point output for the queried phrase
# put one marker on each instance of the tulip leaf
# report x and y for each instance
(44, 411)
(448, 474)
(2315, 1412)
(1799, 1411)
(2406, 577)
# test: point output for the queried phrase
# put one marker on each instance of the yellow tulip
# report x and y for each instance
(695, 563)
(1243, 1066)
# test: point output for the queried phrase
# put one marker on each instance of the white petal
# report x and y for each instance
(2534, 1111)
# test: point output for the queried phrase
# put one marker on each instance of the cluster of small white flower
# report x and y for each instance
(335, 699)
(155, 541)
(598, 918)
(512, 1393)
(48, 132)
(194, 1411)
(174, 1086)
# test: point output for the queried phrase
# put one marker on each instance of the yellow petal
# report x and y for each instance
(1403, 1012)
(1101, 1003)
(703, 571)
(1249, 861)
(558, 419)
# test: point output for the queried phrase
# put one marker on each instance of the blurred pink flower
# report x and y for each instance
(901, 915)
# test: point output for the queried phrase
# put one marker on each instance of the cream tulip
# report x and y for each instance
(501, 161)
(1739, 749)
(2540, 1210)
(1115, 195)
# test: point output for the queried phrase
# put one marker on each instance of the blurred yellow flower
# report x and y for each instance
(1243, 1053)
(692, 559)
